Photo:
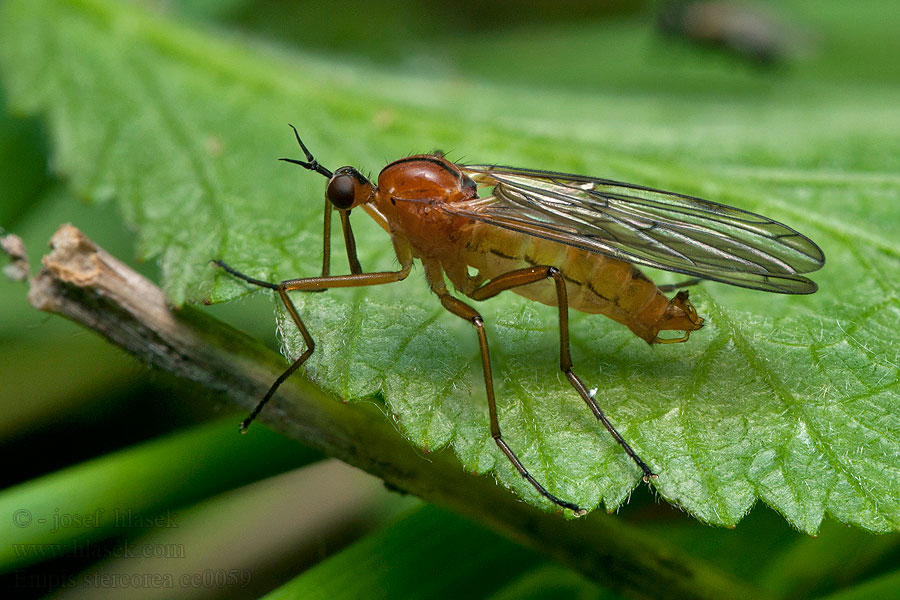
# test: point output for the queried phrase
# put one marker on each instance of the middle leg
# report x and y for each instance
(529, 275)
(463, 310)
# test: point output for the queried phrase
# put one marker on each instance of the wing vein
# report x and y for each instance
(646, 226)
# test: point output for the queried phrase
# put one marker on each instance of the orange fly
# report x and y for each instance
(583, 234)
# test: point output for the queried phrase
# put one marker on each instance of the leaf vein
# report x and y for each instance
(794, 407)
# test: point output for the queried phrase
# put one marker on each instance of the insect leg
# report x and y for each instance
(350, 243)
(463, 310)
(671, 287)
(529, 275)
(309, 284)
(326, 240)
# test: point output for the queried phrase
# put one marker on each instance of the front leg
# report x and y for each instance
(310, 284)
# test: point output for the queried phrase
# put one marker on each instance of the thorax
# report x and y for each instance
(409, 195)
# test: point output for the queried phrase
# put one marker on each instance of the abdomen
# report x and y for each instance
(595, 283)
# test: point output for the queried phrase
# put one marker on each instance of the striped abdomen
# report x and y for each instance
(595, 283)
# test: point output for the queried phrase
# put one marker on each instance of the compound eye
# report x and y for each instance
(341, 191)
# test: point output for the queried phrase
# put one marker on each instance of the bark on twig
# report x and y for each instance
(84, 283)
(14, 248)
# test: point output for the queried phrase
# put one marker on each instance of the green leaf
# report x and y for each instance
(428, 553)
(48, 517)
(885, 586)
(551, 581)
(791, 400)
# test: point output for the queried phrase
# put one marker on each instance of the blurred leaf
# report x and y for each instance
(807, 567)
(550, 581)
(51, 516)
(886, 586)
(22, 153)
(764, 551)
(791, 400)
(283, 523)
(428, 554)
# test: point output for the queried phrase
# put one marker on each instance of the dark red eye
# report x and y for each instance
(341, 191)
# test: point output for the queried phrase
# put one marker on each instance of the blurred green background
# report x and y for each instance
(87, 427)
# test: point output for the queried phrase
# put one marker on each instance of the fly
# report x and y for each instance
(564, 240)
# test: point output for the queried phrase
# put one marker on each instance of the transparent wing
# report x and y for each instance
(647, 227)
